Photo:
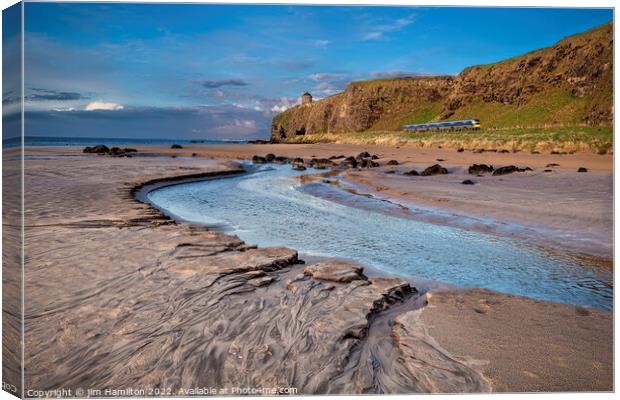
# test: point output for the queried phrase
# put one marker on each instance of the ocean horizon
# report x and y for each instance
(91, 141)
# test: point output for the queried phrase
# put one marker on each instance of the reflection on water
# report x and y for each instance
(272, 208)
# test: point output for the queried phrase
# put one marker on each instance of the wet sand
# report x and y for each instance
(118, 296)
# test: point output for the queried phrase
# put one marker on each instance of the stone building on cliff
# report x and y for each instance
(306, 98)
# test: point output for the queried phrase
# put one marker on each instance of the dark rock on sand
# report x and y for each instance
(366, 163)
(552, 165)
(440, 159)
(98, 149)
(582, 169)
(270, 157)
(506, 170)
(374, 157)
(299, 167)
(320, 163)
(363, 154)
(413, 172)
(434, 170)
(280, 160)
(548, 170)
(259, 159)
(392, 162)
(467, 182)
(476, 169)
(504, 151)
(176, 146)
(460, 150)
(349, 162)
(337, 157)
(390, 171)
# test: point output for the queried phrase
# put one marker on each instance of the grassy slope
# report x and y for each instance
(564, 139)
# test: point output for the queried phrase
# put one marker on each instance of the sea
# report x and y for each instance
(92, 141)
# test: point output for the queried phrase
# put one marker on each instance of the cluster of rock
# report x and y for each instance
(362, 160)
(113, 152)
(478, 169)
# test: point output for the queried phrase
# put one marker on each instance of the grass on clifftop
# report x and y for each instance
(563, 139)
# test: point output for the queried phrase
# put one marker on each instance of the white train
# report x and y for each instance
(443, 126)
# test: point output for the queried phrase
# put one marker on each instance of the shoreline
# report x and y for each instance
(207, 276)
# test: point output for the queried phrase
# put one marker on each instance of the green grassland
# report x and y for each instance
(543, 139)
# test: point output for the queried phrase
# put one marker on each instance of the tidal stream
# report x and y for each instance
(270, 206)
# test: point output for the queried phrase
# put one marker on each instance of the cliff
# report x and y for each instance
(565, 84)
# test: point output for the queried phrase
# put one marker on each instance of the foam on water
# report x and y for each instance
(272, 208)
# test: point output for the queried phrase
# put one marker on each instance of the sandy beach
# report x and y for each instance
(119, 296)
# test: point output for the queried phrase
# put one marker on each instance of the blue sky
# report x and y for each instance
(223, 71)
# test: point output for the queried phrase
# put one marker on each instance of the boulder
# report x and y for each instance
(505, 170)
(413, 172)
(280, 160)
(467, 182)
(460, 150)
(582, 169)
(98, 149)
(392, 162)
(363, 154)
(476, 169)
(349, 162)
(367, 163)
(176, 146)
(552, 165)
(270, 157)
(434, 170)
(258, 159)
(320, 163)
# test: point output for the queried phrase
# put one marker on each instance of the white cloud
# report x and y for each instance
(379, 31)
(237, 126)
(323, 76)
(99, 105)
(321, 43)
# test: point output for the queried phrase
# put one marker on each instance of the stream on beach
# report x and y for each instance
(271, 206)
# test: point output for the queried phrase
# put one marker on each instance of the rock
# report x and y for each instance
(552, 165)
(548, 170)
(504, 151)
(392, 162)
(298, 164)
(336, 271)
(476, 169)
(176, 146)
(460, 150)
(194, 154)
(349, 162)
(505, 170)
(390, 171)
(320, 163)
(98, 149)
(440, 159)
(510, 169)
(367, 163)
(129, 150)
(336, 157)
(374, 157)
(413, 172)
(298, 167)
(582, 169)
(363, 154)
(434, 170)
(467, 182)
(280, 160)
(270, 157)
(259, 160)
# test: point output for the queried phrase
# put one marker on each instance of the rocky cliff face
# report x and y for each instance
(568, 83)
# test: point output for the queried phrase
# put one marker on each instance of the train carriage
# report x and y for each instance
(446, 125)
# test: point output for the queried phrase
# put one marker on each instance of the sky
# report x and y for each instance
(198, 71)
